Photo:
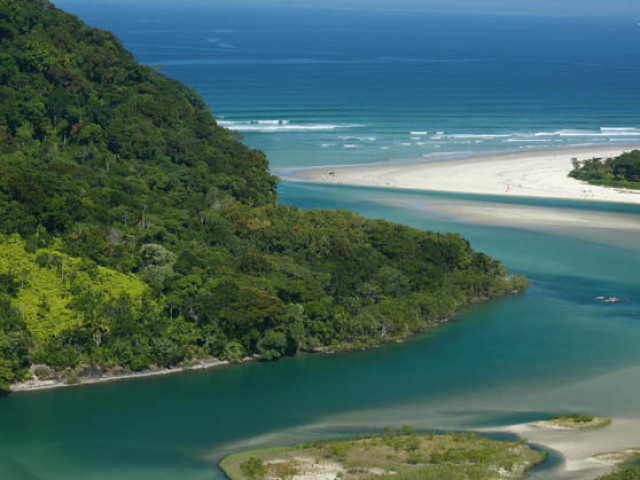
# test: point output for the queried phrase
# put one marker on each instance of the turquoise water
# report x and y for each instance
(553, 348)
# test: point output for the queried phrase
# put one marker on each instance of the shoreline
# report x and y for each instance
(35, 385)
(582, 450)
(539, 173)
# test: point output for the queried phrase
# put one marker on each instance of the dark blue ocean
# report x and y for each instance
(342, 86)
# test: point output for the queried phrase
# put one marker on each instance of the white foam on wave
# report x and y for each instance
(418, 133)
(218, 42)
(601, 132)
(615, 130)
(361, 139)
(527, 140)
(273, 122)
(271, 126)
(610, 133)
(481, 136)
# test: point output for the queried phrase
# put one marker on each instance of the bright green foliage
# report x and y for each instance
(622, 171)
(15, 341)
(48, 283)
(148, 235)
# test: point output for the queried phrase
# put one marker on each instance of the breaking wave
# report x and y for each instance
(271, 126)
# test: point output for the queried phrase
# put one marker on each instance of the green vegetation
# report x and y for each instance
(625, 473)
(623, 457)
(135, 232)
(577, 421)
(49, 286)
(393, 454)
(573, 417)
(622, 171)
(253, 468)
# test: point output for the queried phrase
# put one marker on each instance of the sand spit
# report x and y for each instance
(588, 454)
(535, 173)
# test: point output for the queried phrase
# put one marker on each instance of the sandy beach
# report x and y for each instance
(541, 173)
(582, 449)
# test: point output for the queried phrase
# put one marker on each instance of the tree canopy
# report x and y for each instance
(136, 232)
(621, 171)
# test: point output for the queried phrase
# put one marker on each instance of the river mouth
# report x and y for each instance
(328, 75)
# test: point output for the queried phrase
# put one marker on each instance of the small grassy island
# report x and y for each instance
(575, 421)
(622, 171)
(400, 455)
(136, 234)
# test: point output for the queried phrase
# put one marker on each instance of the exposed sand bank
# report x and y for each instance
(542, 173)
(518, 215)
(582, 449)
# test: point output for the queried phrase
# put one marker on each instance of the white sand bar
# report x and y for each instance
(581, 447)
(540, 173)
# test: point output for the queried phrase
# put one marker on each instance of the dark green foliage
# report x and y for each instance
(622, 171)
(626, 473)
(110, 161)
(575, 417)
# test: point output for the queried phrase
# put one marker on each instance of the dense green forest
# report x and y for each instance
(135, 232)
(622, 171)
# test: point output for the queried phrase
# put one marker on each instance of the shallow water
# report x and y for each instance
(512, 360)
(553, 348)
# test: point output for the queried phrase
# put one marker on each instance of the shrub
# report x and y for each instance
(253, 468)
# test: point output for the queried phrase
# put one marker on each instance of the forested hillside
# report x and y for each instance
(135, 232)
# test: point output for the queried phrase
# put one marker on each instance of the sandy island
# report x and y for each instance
(541, 173)
(582, 449)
